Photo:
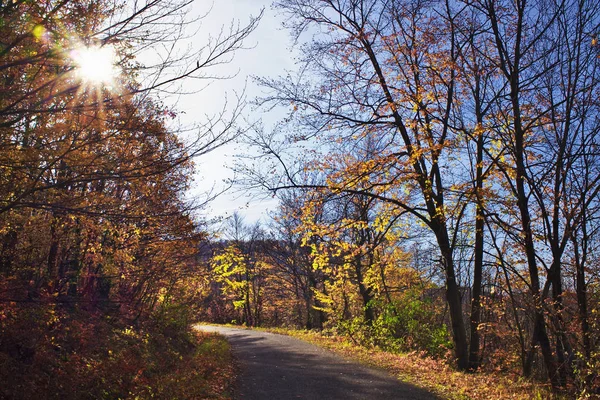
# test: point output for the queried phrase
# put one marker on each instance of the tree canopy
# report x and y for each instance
(469, 126)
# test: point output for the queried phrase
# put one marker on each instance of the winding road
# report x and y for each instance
(278, 367)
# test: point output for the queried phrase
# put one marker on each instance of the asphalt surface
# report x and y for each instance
(278, 367)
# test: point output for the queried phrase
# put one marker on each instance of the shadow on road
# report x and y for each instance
(280, 367)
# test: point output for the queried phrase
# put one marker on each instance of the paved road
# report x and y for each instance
(278, 367)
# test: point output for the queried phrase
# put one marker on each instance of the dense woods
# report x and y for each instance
(97, 244)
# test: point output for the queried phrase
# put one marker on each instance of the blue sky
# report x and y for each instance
(269, 54)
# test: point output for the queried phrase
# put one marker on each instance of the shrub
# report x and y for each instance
(406, 324)
(49, 352)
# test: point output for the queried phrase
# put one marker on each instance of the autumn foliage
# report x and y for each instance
(97, 244)
(456, 140)
(437, 171)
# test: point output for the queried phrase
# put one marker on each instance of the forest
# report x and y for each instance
(436, 167)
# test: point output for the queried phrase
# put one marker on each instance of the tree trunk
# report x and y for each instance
(53, 251)
(475, 319)
(365, 292)
(453, 298)
(314, 318)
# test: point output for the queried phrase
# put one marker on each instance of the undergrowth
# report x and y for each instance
(50, 353)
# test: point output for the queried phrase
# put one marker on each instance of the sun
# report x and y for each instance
(95, 65)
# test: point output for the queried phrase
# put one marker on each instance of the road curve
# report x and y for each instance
(278, 367)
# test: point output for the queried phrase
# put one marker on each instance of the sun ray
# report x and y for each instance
(96, 73)
(95, 65)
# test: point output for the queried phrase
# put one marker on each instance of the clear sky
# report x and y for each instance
(268, 54)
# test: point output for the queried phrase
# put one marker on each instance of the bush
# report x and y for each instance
(411, 323)
(47, 352)
(407, 324)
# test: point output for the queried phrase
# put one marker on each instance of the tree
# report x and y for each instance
(48, 110)
(292, 261)
(242, 269)
(547, 67)
(476, 120)
(98, 245)
(375, 84)
(92, 167)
